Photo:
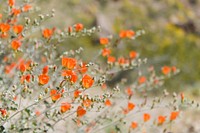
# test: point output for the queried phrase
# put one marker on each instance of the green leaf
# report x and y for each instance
(2, 129)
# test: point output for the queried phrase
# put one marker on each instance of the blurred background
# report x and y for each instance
(172, 36)
(172, 31)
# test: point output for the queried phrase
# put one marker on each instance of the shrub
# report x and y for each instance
(41, 88)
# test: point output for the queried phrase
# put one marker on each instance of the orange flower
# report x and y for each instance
(6, 59)
(15, 44)
(87, 81)
(174, 115)
(131, 106)
(104, 86)
(78, 122)
(72, 75)
(156, 81)
(82, 68)
(45, 70)
(15, 98)
(182, 97)
(27, 7)
(89, 128)
(146, 117)
(76, 93)
(126, 34)
(122, 34)
(43, 59)
(70, 63)
(22, 79)
(70, 29)
(28, 63)
(22, 67)
(18, 28)
(133, 54)
(106, 52)
(28, 78)
(55, 95)
(87, 103)
(11, 2)
(130, 33)
(16, 11)
(13, 21)
(108, 102)
(4, 27)
(174, 69)
(47, 33)
(103, 41)
(125, 111)
(79, 27)
(111, 59)
(3, 112)
(134, 125)
(62, 91)
(43, 79)
(161, 120)
(121, 60)
(37, 112)
(9, 68)
(80, 111)
(142, 79)
(166, 70)
(129, 91)
(4, 35)
(65, 107)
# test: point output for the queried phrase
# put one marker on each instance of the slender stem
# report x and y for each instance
(63, 118)
(118, 120)
(35, 104)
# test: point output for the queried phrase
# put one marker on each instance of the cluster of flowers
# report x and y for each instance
(37, 92)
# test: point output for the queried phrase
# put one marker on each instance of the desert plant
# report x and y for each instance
(41, 88)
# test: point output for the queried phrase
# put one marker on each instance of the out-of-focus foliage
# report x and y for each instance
(172, 29)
